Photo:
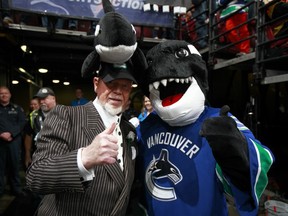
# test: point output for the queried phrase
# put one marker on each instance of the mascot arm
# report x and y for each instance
(229, 147)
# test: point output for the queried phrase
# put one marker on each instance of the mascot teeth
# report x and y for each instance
(156, 85)
(164, 82)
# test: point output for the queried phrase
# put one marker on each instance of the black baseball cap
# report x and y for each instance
(109, 72)
(44, 92)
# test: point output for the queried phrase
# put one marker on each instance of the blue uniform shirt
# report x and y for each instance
(12, 119)
(181, 175)
(80, 101)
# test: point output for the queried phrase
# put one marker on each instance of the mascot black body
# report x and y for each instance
(191, 154)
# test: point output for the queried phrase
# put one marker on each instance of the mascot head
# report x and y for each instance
(114, 41)
(175, 81)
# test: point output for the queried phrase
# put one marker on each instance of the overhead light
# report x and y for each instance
(15, 82)
(42, 70)
(55, 80)
(22, 70)
(66, 81)
(25, 49)
(134, 85)
(29, 81)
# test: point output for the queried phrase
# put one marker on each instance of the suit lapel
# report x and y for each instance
(95, 126)
(128, 172)
(123, 179)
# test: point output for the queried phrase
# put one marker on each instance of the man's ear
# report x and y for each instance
(95, 82)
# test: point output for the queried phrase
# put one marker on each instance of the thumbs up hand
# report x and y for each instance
(102, 150)
(229, 147)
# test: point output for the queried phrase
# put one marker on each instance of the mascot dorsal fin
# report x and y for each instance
(114, 41)
(107, 6)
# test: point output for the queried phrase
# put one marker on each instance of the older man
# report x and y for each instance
(47, 99)
(84, 161)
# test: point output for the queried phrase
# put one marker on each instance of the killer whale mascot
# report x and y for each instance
(192, 156)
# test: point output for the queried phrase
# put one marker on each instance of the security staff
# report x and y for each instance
(47, 99)
(12, 121)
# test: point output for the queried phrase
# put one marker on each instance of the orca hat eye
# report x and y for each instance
(181, 53)
(133, 29)
(149, 61)
(97, 30)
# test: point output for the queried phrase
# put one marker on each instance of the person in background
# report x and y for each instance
(73, 24)
(189, 33)
(131, 114)
(276, 11)
(201, 26)
(85, 158)
(52, 23)
(47, 99)
(230, 7)
(146, 110)
(11, 126)
(34, 104)
(80, 100)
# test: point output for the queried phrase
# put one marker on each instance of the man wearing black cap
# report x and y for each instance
(47, 101)
(85, 156)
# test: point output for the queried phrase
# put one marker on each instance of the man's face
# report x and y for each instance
(34, 104)
(47, 103)
(5, 96)
(113, 95)
(78, 93)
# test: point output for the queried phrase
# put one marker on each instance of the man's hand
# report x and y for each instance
(102, 150)
(229, 147)
(6, 136)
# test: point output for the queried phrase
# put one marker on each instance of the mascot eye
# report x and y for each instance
(181, 53)
(97, 30)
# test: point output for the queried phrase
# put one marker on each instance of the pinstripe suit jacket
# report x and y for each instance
(54, 171)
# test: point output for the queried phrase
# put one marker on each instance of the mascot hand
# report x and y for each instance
(229, 148)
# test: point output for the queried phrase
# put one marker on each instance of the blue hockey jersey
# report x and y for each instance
(181, 175)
